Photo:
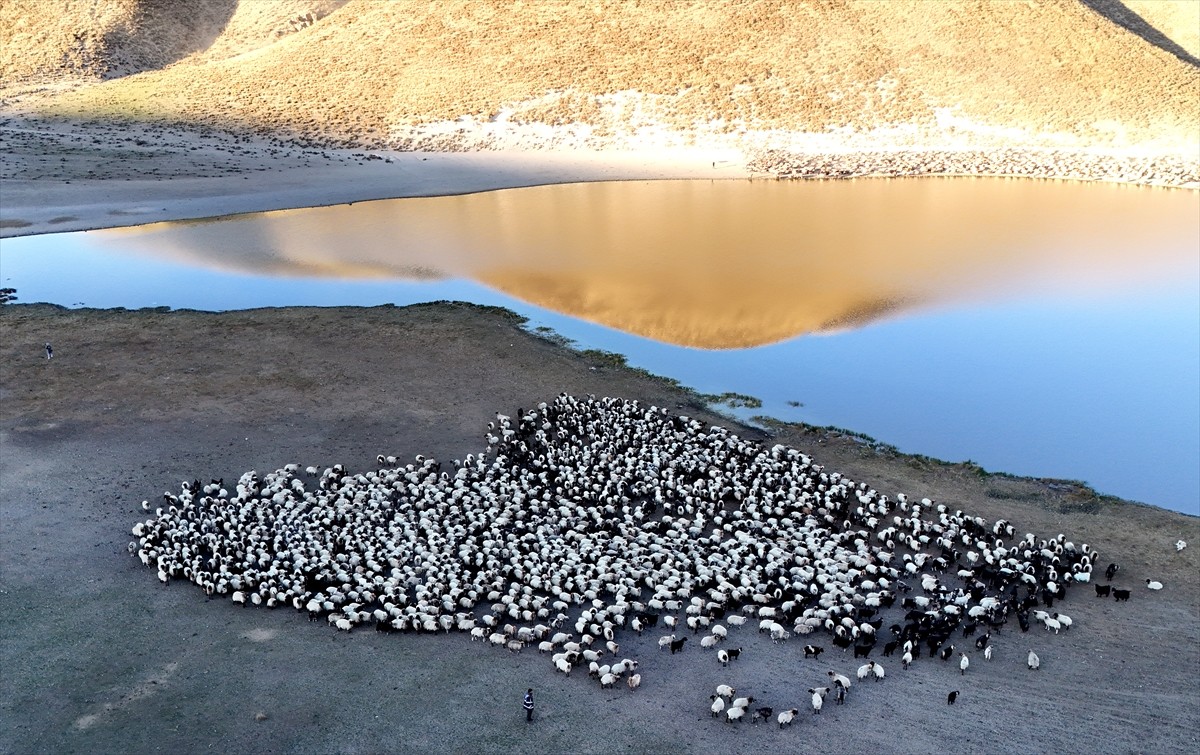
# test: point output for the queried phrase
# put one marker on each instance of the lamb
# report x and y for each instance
(1033, 661)
(634, 681)
(1154, 585)
(786, 717)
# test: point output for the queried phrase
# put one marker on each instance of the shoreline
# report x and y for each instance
(1083, 496)
(54, 171)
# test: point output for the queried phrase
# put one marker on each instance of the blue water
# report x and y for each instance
(1101, 386)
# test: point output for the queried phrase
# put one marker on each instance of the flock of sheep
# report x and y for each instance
(604, 516)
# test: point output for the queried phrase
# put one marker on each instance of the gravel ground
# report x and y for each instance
(99, 657)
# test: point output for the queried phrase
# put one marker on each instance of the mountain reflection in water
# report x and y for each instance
(725, 264)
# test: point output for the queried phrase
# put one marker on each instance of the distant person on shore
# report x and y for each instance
(528, 704)
(49, 351)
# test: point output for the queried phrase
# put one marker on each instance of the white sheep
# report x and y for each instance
(987, 653)
(818, 697)
(708, 641)
(723, 657)
(634, 681)
(864, 671)
(735, 714)
(1154, 585)
(1180, 545)
(742, 702)
(1033, 661)
(562, 665)
(724, 690)
(877, 669)
(785, 718)
(718, 705)
(665, 641)
(608, 680)
(839, 679)
(1064, 620)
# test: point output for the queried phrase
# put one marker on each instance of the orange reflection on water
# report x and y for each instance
(729, 264)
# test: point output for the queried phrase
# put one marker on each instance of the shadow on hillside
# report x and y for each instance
(1117, 12)
(169, 31)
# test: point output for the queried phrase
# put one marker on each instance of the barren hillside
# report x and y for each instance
(466, 74)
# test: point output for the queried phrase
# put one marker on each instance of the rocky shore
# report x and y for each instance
(1154, 170)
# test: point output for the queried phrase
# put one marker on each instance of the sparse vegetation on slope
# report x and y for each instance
(769, 73)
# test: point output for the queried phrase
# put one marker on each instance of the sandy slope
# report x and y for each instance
(460, 75)
(98, 657)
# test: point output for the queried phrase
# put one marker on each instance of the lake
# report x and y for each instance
(1035, 327)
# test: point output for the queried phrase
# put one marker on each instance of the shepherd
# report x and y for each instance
(528, 704)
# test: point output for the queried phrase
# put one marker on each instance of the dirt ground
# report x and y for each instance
(99, 657)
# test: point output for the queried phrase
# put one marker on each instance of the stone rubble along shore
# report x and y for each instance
(1157, 170)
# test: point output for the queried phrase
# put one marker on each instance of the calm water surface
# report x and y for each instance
(1035, 327)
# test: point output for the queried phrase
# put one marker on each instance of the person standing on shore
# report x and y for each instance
(49, 351)
(528, 704)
